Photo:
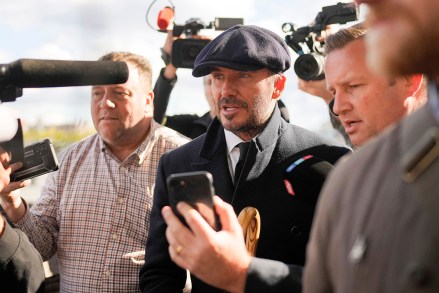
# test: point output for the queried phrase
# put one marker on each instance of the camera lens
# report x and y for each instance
(185, 51)
(192, 52)
(310, 66)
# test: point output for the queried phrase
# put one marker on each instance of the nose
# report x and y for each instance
(228, 87)
(340, 104)
(106, 102)
(331, 107)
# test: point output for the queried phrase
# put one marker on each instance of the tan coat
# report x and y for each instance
(374, 231)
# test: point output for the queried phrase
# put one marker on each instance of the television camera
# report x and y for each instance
(184, 51)
(306, 40)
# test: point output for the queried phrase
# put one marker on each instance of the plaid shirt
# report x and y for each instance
(95, 209)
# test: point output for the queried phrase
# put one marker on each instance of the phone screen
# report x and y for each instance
(196, 189)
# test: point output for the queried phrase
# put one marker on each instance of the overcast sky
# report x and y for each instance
(86, 29)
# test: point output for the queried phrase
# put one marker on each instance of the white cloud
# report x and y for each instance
(54, 50)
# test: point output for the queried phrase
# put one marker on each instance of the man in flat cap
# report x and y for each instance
(247, 65)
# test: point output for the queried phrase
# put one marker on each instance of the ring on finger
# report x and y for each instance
(179, 249)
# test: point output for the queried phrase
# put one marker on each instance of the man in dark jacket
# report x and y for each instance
(21, 266)
(247, 65)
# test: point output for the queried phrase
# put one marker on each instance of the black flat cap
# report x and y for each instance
(244, 48)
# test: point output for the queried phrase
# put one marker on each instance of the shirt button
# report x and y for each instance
(358, 250)
(296, 231)
(114, 236)
(120, 200)
(107, 272)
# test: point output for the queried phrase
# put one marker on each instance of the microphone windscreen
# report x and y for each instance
(304, 178)
(36, 73)
(165, 18)
(8, 124)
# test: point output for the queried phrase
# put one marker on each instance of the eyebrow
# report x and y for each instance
(343, 82)
(119, 87)
(348, 79)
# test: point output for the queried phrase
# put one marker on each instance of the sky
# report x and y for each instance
(87, 29)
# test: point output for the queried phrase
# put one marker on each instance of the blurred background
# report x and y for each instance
(86, 29)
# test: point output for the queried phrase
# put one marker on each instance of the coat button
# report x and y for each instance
(358, 250)
(418, 275)
(296, 231)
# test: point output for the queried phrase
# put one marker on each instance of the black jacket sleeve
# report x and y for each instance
(21, 266)
(162, 92)
(267, 276)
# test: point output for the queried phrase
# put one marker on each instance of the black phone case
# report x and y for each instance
(193, 188)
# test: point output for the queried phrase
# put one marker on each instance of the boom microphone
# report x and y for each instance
(37, 73)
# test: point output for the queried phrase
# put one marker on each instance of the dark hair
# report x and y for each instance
(344, 37)
(140, 62)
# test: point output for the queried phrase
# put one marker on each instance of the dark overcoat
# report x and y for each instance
(286, 220)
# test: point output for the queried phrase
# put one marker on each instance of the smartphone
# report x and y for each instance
(39, 158)
(196, 189)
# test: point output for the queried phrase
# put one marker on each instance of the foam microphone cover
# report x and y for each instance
(165, 18)
(36, 73)
(8, 124)
(304, 178)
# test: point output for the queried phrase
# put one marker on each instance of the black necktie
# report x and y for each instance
(243, 148)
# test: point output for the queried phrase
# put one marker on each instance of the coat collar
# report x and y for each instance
(204, 120)
(266, 139)
(213, 154)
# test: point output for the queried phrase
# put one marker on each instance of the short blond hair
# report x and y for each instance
(141, 63)
(345, 36)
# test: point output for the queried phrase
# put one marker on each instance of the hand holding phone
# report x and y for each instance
(196, 189)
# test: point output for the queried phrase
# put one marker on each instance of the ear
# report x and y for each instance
(416, 95)
(149, 99)
(413, 83)
(279, 86)
(410, 104)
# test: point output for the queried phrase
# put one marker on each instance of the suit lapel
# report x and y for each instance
(262, 147)
(260, 153)
(213, 159)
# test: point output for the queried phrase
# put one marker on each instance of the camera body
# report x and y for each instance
(304, 41)
(39, 158)
(185, 51)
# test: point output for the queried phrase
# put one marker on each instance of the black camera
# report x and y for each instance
(39, 158)
(304, 41)
(184, 51)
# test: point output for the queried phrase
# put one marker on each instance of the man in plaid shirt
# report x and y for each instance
(95, 208)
